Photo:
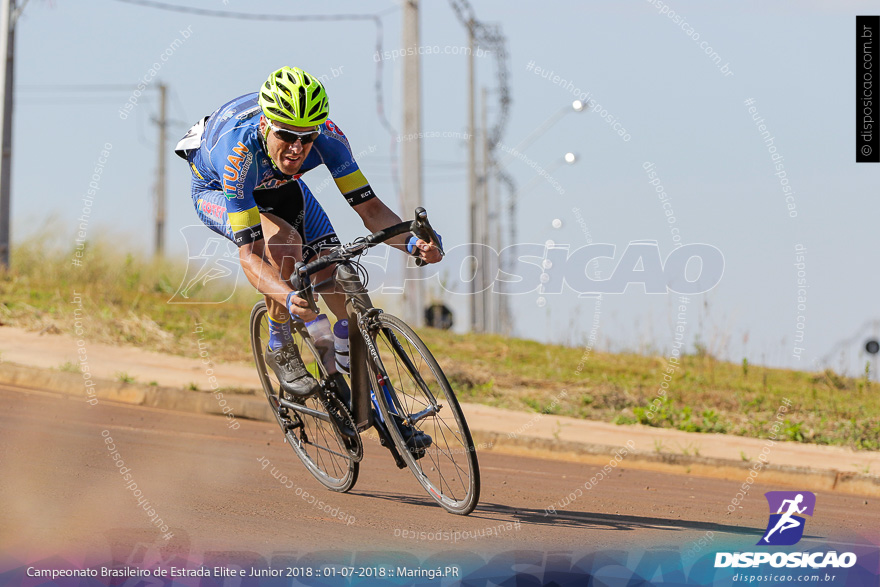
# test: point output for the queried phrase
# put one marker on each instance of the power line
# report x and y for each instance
(76, 87)
(381, 160)
(491, 37)
(70, 102)
(179, 105)
(375, 18)
(253, 16)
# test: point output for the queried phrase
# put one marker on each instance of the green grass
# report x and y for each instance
(125, 301)
(123, 377)
(705, 395)
(68, 367)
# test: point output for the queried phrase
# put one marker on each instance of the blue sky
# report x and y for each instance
(794, 59)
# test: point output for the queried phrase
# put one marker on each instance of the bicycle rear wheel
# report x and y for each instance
(416, 390)
(317, 442)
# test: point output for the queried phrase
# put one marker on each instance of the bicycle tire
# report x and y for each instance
(339, 474)
(415, 395)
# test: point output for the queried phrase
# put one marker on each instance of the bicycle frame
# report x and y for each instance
(359, 308)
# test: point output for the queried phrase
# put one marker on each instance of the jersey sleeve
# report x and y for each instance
(337, 156)
(236, 166)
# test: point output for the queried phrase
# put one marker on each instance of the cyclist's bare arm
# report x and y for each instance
(376, 216)
(266, 279)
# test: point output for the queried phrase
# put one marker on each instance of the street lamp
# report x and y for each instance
(575, 106)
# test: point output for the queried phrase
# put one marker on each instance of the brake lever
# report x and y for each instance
(422, 229)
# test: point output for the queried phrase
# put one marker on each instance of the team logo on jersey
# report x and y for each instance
(248, 113)
(276, 183)
(333, 128)
(336, 133)
(215, 211)
(786, 526)
(239, 162)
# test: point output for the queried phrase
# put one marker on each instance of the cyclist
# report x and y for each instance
(246, 160)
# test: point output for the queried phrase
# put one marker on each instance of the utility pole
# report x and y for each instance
(502, 308)
(411, 197)
(473, 197)
(7, 46)
(489, 309)
(160, 180)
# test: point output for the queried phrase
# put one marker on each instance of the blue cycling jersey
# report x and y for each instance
(231, 158)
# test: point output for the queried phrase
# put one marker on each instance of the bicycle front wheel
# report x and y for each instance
(317, 442)
(411, 388)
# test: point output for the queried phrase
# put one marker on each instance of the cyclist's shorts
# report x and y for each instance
(293, 202)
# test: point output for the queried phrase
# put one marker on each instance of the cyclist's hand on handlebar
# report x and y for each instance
(424, 250)
(299, 307)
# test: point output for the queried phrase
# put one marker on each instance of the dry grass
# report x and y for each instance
(125, 301)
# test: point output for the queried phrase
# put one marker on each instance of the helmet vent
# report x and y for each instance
(285, 103)
(302, 100)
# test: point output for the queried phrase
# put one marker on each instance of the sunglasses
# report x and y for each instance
(292, 136)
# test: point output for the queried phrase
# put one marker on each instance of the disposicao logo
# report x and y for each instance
(786, 526)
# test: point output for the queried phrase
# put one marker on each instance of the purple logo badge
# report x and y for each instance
(787, 508)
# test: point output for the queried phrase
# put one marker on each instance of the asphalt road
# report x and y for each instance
(64, 497)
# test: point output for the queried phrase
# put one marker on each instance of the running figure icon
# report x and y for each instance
(787, 521)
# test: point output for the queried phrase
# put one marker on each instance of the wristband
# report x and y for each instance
(411, 244)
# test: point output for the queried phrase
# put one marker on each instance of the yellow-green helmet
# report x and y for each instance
(294, 97)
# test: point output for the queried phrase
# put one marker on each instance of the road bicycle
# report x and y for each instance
(395, 383)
